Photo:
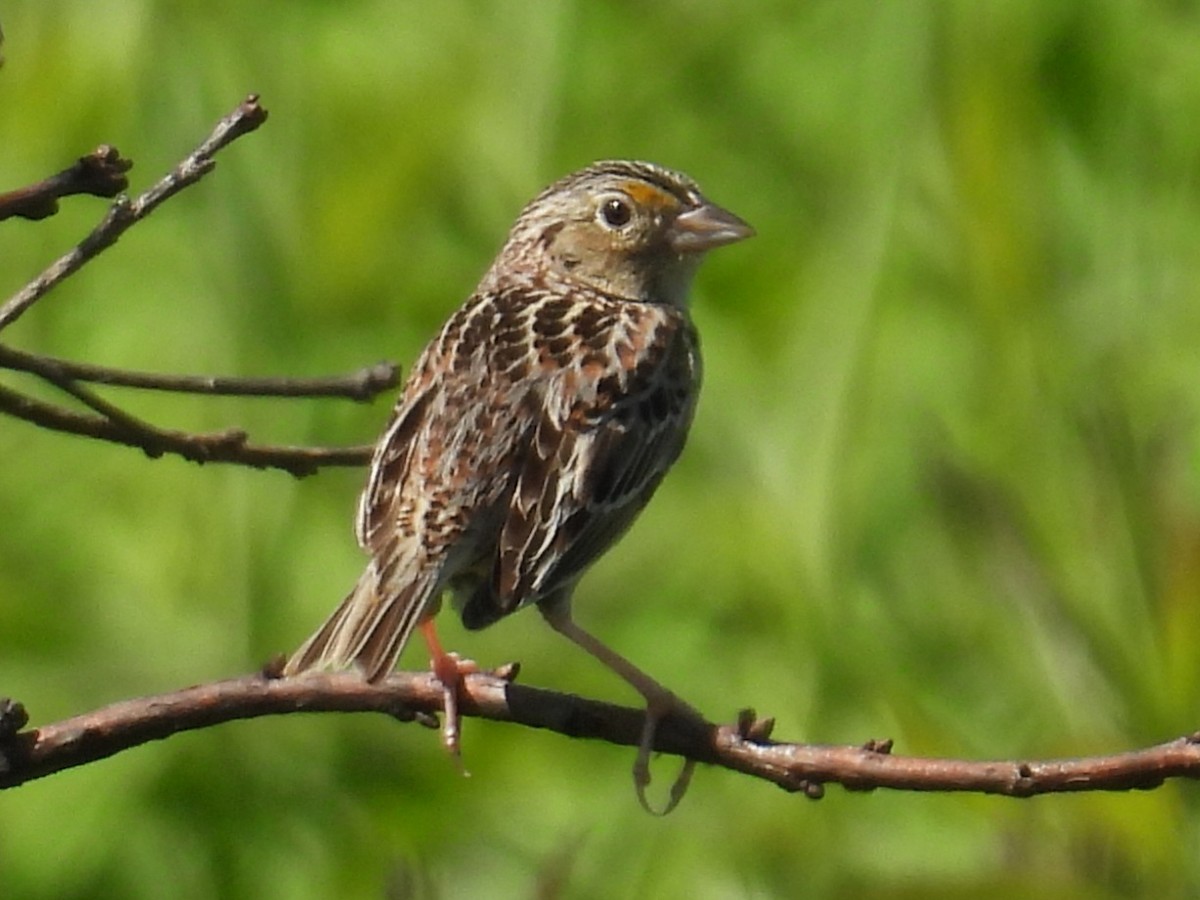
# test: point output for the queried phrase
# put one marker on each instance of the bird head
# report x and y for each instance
(628, 229)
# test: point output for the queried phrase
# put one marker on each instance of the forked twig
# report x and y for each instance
(104, 171)
(229, 446)
(125, 212)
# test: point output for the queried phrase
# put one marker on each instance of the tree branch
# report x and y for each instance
(230, 446)
(361, 385)
(745, 747)
(124, 213)
(101, 173)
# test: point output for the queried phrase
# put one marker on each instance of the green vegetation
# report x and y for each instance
(943, 485)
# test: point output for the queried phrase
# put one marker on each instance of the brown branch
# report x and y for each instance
(101, 174)
(104, 170)
(124, 213)
(230, 446)
(27, 755)
(361, 385)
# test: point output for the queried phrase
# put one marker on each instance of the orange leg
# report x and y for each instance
(449, 669)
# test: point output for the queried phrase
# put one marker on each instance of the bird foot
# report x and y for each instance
(449, 669)
(656, 710)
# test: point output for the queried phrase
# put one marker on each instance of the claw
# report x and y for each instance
(660, 702)
(641, 769)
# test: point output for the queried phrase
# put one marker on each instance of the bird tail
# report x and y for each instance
(367, 631)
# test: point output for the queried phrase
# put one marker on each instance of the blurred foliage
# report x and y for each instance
(942, 486)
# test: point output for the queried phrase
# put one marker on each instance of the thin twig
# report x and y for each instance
(112, 423)
(124, 212)
(127, 421)
(27, 755)
(101, 173)
(361, 385)
(230, 446)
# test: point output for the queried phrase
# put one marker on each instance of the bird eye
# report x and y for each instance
(616, 213)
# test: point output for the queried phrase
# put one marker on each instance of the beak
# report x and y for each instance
(705, 227)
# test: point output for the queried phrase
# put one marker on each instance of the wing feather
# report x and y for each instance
(599, 449)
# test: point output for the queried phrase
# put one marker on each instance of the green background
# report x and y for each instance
(942, 486)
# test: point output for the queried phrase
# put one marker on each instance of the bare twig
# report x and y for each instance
(124, 212)
(101, 173)
(362, 385)
(27, 755)
(89, 398)
(230, 446)
(104, 170)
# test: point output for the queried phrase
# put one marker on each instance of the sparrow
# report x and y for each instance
(534, 428)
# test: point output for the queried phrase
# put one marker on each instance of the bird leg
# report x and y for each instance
(660, 703)
(449, 669)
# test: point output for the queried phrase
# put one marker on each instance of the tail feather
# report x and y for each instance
(366, 631)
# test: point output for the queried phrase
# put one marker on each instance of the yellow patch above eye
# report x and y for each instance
(648, 196)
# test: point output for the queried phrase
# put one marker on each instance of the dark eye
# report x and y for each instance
(616, 213)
